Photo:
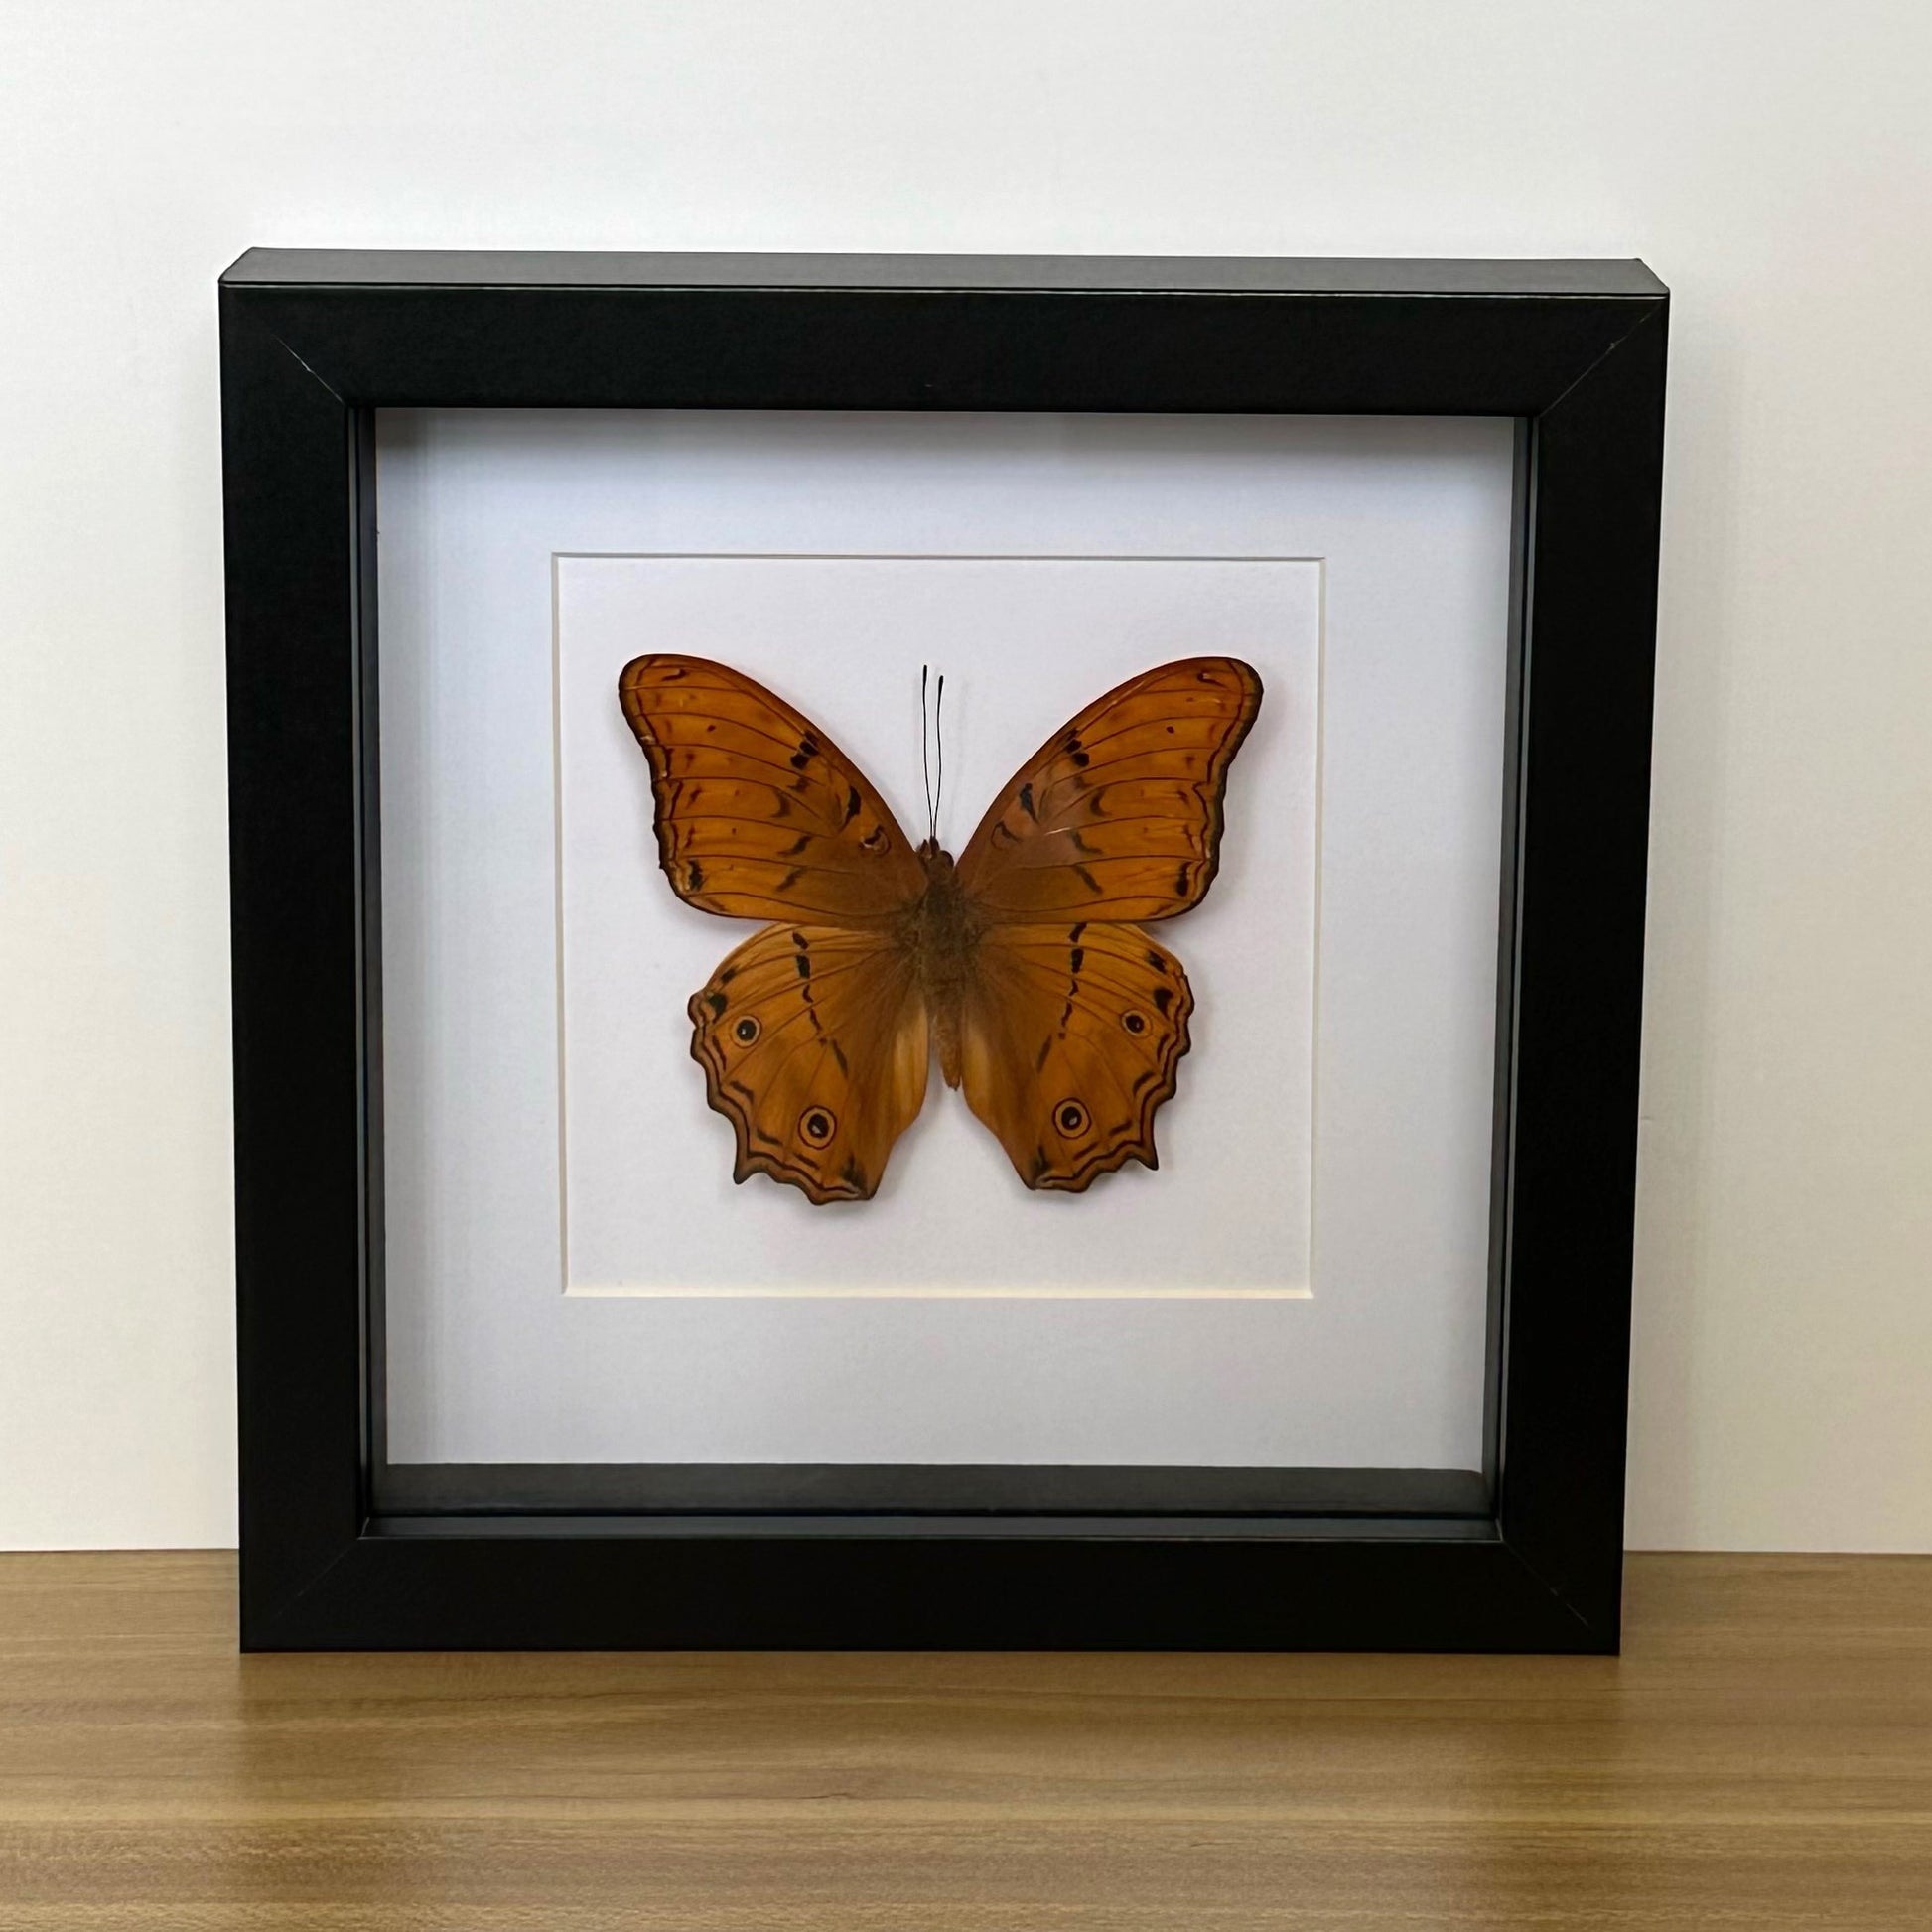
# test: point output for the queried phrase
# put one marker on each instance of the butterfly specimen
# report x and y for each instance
(1025, 961)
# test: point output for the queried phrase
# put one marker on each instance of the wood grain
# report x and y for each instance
(1762, 1757)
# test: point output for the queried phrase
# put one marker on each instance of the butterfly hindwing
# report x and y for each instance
(1071, 1037)
(814, 1045)
(759, 814)
(1118, 815)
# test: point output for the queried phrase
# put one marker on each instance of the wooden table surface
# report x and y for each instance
(1760, 1757)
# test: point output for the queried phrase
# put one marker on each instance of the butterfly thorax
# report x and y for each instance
(942, 932)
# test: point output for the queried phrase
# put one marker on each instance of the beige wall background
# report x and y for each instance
(1772, 160)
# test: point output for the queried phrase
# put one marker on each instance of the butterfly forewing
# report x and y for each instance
(759, 814)
(1118, 815)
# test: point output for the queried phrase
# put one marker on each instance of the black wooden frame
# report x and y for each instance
(313, 342)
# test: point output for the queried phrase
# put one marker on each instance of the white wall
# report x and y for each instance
(1770, 160)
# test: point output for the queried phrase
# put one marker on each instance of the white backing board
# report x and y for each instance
(500, 535)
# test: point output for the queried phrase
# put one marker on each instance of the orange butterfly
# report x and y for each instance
(1064, 1021)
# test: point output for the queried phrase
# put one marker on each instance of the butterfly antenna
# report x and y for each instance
(926, 768)
(939, 743)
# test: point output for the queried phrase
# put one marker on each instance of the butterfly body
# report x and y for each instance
(942, 933)
(1023, 963)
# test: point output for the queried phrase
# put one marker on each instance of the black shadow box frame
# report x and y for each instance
(1527, 1554)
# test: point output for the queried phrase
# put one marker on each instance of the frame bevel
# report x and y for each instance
(312, 344)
